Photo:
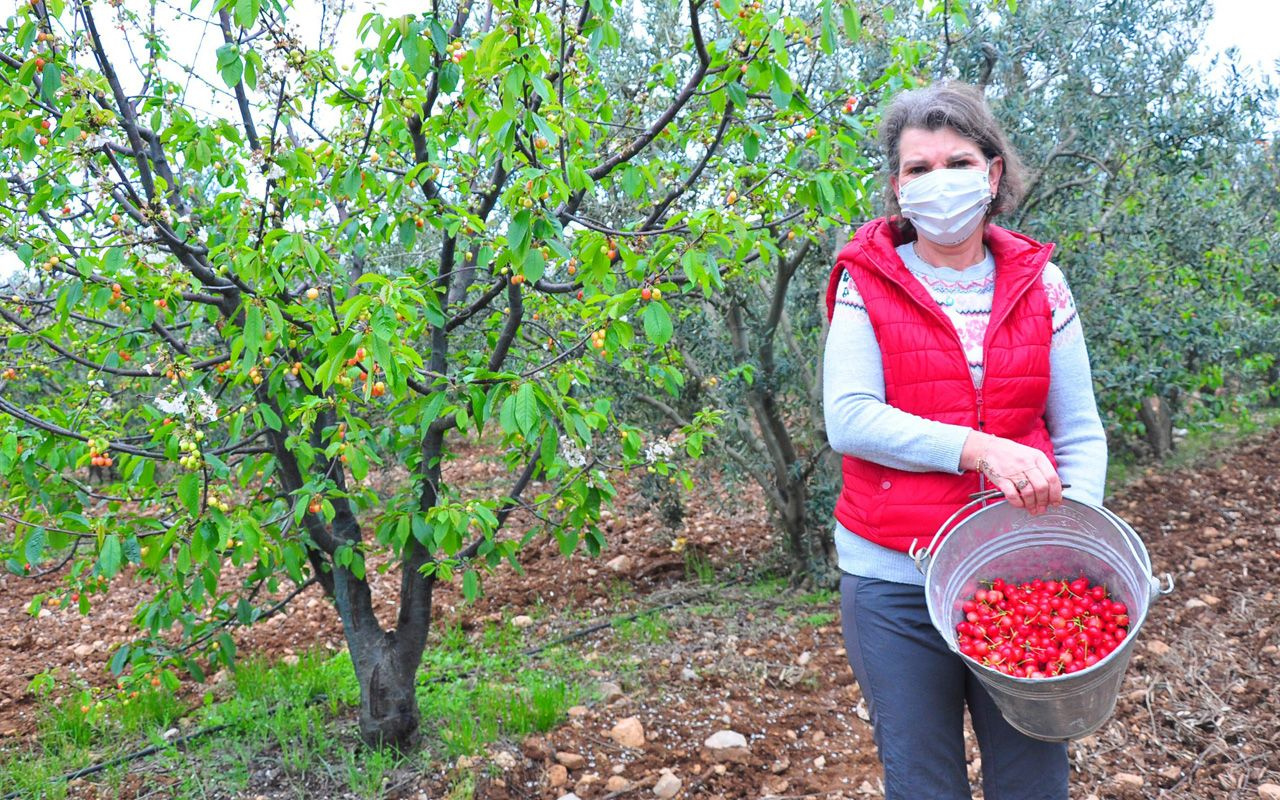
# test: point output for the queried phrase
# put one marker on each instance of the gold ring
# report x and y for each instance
(1022, 484)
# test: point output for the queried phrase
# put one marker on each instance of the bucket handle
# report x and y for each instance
(1159, 586)
(919, 555)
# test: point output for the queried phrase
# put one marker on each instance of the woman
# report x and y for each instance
(955, 363)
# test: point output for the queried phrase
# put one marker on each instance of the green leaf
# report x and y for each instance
(120, 659)
(737, 93)
(657, 323)
(526, 409)
(50, 83)
(852, 21)
(34, 550)
(230, 65)
(470, 585)
(110, 555)
(247, 12)
(189, 492)
(270, 417)
(132, 550)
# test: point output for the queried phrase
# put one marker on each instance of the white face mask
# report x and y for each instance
(947, 205)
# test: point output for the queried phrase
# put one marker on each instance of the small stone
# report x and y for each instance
(577, 711)
(609, 691)
(1128, 780)
(1210, 600)
(464, 762)
(861, 710)
(585, 783)
(727, 745)
(83, 650)
(1196, 602)
(1158, 648)
(725, 739)
(818, 737)
(1171, 773)
(504, 760)
(571, 760)
(1269, 791)
(628, 732)
(536, 748)
(619, 564)
(557, 776)
(773, 787)
(804, 658)
(522, 621)
(687, 674)
(819, 762)
(866, 788)
(667, 786)
(1200, 563)
(617, 783)
(780, 766)
(569, 796)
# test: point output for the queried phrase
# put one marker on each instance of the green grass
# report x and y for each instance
(698, 567)
(819, 619)
(647, 629)
(299, 718)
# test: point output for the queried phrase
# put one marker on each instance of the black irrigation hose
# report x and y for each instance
(101, 766)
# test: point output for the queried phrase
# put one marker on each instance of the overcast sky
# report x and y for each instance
(1251, 26)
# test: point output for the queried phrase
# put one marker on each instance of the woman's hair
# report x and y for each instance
(962, 108)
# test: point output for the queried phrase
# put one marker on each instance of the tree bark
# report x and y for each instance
(1158, 419)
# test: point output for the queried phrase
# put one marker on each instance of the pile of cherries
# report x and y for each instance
(1041, 628)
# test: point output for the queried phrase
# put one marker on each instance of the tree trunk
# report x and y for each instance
(386, 664)
(389, 715)
(1158, 419)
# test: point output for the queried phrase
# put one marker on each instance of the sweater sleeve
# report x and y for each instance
(859, 421)
(1071, 412)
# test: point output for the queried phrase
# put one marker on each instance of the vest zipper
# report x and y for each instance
(982, 425)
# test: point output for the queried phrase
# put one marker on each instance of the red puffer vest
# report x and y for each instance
(926, 373)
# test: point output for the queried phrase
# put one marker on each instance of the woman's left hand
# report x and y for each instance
(1023, 473)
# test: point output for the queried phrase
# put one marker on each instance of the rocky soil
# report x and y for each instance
(750, 696)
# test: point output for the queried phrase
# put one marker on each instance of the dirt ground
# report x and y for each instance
(1194, 719)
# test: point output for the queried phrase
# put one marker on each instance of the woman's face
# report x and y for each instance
(921, 151)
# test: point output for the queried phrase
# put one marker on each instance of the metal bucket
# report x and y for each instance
(1001, 541)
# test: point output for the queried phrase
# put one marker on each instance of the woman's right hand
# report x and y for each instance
(1025, 475)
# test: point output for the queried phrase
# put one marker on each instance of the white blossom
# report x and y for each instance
(659, 450)
(204, 404)
(196, 401)
(172, 405)
(573, 456)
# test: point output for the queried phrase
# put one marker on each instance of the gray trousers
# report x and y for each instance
(916, 691)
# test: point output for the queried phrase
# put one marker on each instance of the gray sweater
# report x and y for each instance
(860, 423)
